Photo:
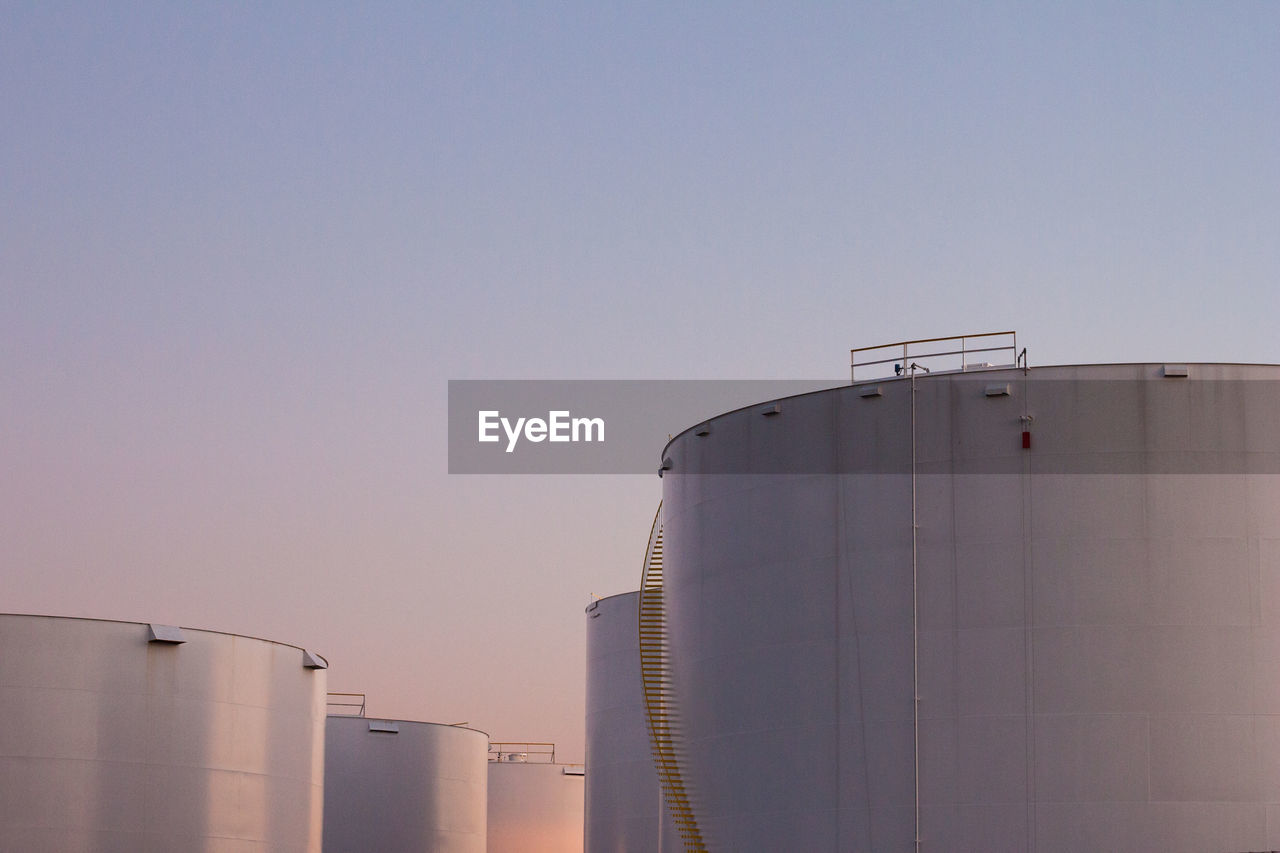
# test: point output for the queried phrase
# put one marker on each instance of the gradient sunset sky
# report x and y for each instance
(243, 247)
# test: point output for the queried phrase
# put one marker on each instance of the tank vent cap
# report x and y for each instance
(170, 634)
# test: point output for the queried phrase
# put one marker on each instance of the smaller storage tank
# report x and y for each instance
(137, 738)
(398, 786)
(535, 804)
(622, 792)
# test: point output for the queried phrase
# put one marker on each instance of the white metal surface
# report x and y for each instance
(112, 742)
(622, 799)
(397, 786)
(1095, 647)
(535, 808)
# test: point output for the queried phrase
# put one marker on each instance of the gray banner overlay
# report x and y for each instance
(1003, 422)
(639, 416)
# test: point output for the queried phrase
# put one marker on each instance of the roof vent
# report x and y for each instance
(311, 660)
(170, 634)
(999, 390)
(388, 726)
(871, 391)
(1175, 370)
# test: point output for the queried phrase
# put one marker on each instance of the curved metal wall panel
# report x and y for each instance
(109, 742)
(534, 808)
(622, 798)
(1082, 655)
(420, 789)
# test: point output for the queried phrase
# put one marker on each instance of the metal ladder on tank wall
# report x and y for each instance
(659, 695)
(908, 359)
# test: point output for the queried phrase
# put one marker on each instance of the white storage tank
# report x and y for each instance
(622, 795)
(535, 803)
(122, 736)
(398, 786)
(1008, 610)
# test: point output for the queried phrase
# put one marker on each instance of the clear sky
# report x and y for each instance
(244, 247)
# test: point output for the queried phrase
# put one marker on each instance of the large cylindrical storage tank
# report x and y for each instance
(535, 806)
(397, 786)
(1004, 611)
(622, 797)
(119, 736)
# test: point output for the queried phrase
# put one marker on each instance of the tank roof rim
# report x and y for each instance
(144, 624)
(408, 722)
(950, 373)
(595, 602)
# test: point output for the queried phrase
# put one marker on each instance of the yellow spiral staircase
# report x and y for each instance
(659, 696)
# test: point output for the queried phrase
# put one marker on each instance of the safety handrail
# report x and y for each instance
(345, 701)
(907, 352)
(522, 751)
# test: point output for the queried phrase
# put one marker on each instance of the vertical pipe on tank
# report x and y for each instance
(1028, 609)
(915, 610)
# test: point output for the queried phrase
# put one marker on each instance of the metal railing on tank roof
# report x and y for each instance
(522, 752)
(956, 353)
(345, 704)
